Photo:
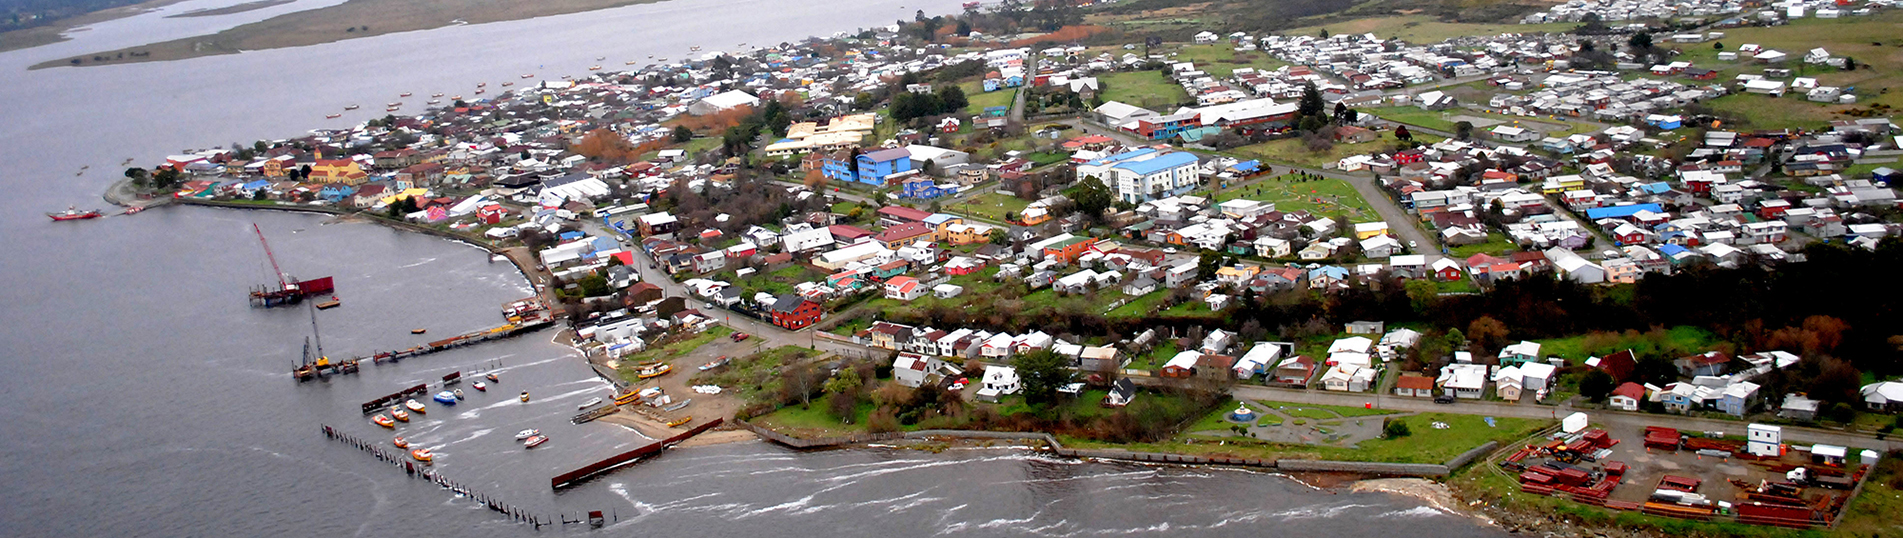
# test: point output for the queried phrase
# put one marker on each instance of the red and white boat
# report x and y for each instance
(383, 421)
(423, 455)
(535, 441)
(400, 442)
(74, 214)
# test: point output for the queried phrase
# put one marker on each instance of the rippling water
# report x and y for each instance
(144, 397)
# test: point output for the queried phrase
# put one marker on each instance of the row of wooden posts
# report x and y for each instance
(422, 471)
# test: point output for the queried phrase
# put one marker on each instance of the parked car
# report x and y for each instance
(958, 385)
(1443, 399)
(741, 337)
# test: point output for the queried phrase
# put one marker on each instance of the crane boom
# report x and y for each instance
(282, 285)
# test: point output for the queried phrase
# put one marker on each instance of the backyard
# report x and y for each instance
(989, 206)
(1295, 150)
(977, 99)
(1222, 60)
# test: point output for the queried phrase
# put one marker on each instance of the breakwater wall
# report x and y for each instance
(421, 471)
(625, 458)
(1057, 448)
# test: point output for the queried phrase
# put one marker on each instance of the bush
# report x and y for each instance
(1841, 412)
(1395, 429)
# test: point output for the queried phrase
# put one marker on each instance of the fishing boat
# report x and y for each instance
(594, 68)
(435, 95)
(482, 84)
(435, 101)
(479, 91)
(507, 84)
(525, 396)
(600, 58)
(480, 386)
(404, 94)
(418, 331)
(458, 98)
(134, 210)
(492, 378)
(415, 406)
(590, 403)
(715, 364)
(445, 397)
(423, 455)
(535, 441)
(654, 370)
(399, 414)
(394, 104)
(626, 398)
(351, 107)
(680, 421)
(458, 393)
(400, 442)
(72, 213)
(528, 75)
(391, 109)
(332, 116)
(525, 434)
(630, 62)
(383, 421)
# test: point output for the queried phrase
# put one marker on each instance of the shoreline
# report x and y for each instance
(56, 30)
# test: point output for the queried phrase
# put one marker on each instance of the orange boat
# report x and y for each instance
(383, 421)
(423, 455)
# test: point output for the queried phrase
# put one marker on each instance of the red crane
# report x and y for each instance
(282, 284)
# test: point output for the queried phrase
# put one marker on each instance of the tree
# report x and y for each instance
(1395, 429)
(1640, 42)
(998, 236)
(776, 117)
(1421, 293)
(1324, 33)
(138, 176)
(167, 177)
(1487, 332)
(1464, 130)
(1596, 384)
(594, 285)
(951, 98)
(683, 134)
(862, 101)
(1657, 371)
(1718, 45)
(1092, 198)
(1401, 133)
(1311, 103)
(1041, 373)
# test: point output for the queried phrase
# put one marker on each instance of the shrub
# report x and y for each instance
(1395, 429)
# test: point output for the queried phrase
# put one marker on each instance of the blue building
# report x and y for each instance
(838, 166)
(925, 188)
(875, 166)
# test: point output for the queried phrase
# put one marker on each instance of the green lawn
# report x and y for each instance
(1854, 37)
(1222, 60)
(1673, 343)
(977, 99)
(989, 206)
(778, 282)
(1315, 410)
(1426, 445)
(1043, 158)
(753, 376)
(1444, 120)
(1457, 286)
(1139, 307)
(1147, 89)
(1320, 197)
(814, 421)
(1496, 243)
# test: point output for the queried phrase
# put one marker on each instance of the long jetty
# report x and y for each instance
(591, 470)
(477, 337)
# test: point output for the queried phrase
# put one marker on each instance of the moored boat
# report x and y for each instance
(525, 396)
(525, 434)
(680, 421)
(423, 455)
(332, 116)
(715, 364)
(492, 378)
(415, 406)
(383, 421)
(458, 393)
(435, 95)
(445, 397)
(72, 213)
(590, 403)
(480, 386)
(351, 107)
(400, 442)
(327, 305)
(528, 75)
(627, 398)
(418, 331)
(134, 209)
(535, 441)
(404, 94)
(399, 414)
(594, 68)
(507, 84)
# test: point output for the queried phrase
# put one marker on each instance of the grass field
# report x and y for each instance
(670, 350)
(977, 99)
(1426, 445)
(1313, 410)
(1424, 29)
(1222, 60)
(1496, 243)
(988, 206)
(777, 282)
(1295, 151)
(1320, 197)
(1148, 89)
(1446, 120)
(1671, 343)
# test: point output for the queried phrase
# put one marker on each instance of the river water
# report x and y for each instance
(144, 397)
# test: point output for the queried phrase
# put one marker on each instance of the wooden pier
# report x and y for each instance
(485, 335)
(422, 471)
(577, 476)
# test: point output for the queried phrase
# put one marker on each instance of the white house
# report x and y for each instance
(999, 381)
(911, 369)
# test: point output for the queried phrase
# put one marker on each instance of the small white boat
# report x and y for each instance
(525, 434)
(458, 393)
(590, 403)
(480, 386)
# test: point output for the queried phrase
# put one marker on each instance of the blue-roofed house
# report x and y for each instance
(1623, 212)
(335, 192)
(1656, 188)
(875, 166)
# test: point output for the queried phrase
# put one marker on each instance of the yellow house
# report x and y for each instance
(407, 193)
(965, 234)
(1238, 273)
(343, 171)
(941, 225)
(1364, 230)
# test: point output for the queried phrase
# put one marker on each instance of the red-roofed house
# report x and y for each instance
(893, 214)
(903, 234)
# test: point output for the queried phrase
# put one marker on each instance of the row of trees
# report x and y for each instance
(948, 99)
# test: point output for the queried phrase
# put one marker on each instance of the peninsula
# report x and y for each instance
(351, 19)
